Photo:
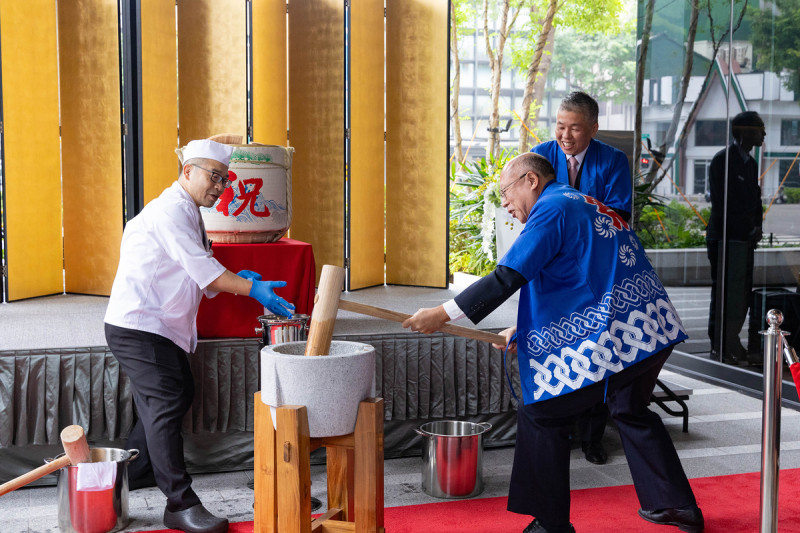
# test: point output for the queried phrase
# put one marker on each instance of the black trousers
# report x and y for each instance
(738, 293)
(592, 423)
(540, 476)
(163, 390)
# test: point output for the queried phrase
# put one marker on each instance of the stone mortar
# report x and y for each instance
(330, 386)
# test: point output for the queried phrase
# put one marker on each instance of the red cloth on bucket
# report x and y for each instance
(287, 260)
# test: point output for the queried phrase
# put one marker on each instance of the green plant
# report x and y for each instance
(672, 226)
(792, 195)
(473, 197)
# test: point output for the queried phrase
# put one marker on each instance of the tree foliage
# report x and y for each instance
(776, 40)
(600, 64)
(524, 29)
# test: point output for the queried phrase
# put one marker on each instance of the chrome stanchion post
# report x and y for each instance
(771, 422)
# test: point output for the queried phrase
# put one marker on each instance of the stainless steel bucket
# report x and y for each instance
(279, 329)
(452, 458)
(99, 511)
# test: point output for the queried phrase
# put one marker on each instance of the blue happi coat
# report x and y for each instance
(593, 305)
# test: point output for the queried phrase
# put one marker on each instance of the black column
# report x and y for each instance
(131, 87)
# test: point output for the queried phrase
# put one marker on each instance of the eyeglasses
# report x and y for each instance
(504, 189)
(216, 177)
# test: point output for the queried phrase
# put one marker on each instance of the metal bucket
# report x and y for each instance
(279, 329)
(100, 511)
(452, 458)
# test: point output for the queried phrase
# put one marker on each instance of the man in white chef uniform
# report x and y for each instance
(165, 268)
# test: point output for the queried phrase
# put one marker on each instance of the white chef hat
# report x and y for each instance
(206, 149)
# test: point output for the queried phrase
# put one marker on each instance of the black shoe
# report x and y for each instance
(594, 452)
(689, 519)
(536, 527)
(195, 519)
(728, 358)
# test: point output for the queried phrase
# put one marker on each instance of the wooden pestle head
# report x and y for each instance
(323, 318)
(75, 446)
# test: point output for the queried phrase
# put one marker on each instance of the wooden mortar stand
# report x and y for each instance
(282, 456)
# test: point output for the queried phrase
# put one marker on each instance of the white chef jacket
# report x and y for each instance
(164, 269)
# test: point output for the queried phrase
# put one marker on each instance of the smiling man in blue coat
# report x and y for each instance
(592, 167)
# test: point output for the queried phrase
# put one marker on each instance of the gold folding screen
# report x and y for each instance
(88, 34)
(416, 143)
(212, 68)
(159, 96)
(316, 125)
(31, 157)
(269, 72)
(366, 144)
(209, 95)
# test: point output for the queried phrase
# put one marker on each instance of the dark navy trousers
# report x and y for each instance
(163, 390)
(540, 476)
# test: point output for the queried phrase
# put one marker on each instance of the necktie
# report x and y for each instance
(572, 164)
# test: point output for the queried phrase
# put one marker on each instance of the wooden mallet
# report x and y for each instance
(323, 317)
(77, 451)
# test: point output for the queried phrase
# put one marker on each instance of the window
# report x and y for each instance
(700, 176)
(710, 133)
(790, 132)
(793, 180)
(655, 94)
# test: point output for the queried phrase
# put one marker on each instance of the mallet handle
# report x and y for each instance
(323, 317)
(395, 316)
(33, 475)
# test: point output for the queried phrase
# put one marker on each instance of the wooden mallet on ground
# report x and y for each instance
(76, 451)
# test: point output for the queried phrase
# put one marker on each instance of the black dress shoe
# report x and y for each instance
(536, 527)
(689, 519)
(727, 358)
(594, 452)
(195, 519)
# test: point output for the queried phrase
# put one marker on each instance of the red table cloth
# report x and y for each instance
(287, 260)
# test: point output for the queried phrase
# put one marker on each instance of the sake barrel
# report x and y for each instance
(257, 207)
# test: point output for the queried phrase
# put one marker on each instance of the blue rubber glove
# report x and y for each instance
(249, 274)
(262, 291)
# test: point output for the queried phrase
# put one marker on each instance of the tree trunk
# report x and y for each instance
(655, 175)
(641, 63)
(545, 37)
(459, 152)
(541, 80)
(496, 65)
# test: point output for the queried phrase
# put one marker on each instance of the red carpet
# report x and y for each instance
(730, 505)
